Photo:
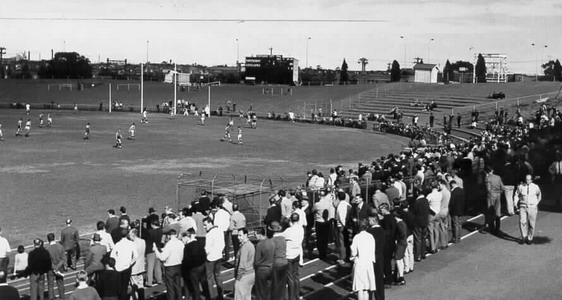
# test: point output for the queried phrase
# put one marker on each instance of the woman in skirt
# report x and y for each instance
(363, 256)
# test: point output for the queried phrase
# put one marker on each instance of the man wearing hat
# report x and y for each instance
(92, 262)
(38, 264)
(69, 239)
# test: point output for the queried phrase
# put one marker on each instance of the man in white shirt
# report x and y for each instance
(529, 195)
(294, 236)
(214, 245)
(434, 198)
(138, 269)
(237, 222)
(4, 251)
(125, 254)
(286, 204)
(106, 239)
(186, 222)
(171, 256)
(222, 222)
(343, 211)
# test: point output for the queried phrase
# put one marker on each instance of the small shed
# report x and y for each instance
(426, 73)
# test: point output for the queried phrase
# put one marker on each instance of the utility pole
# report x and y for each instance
(2, 52)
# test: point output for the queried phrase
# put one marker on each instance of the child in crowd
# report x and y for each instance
(20, 262)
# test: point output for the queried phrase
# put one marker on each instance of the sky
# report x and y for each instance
(316, 32)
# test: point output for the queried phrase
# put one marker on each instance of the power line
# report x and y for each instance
(192, 20)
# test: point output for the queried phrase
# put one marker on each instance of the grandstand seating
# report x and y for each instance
(379, 103)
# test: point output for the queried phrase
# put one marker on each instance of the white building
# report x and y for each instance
(425, 73)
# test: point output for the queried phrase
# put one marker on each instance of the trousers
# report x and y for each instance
(213, 269)
(153, 269)
(527, 221)
(243, 287)
(172, 278)
(37, 286)
(293, 279)
(51, 281)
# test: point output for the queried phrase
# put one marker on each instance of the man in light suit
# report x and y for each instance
(494, 189)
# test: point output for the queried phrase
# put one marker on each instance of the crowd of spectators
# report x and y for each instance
(383, 216)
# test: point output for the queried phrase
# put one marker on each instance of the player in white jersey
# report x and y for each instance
(144, 118)
(27, 128)
(1, 133)
(18, 127)
(27, 109)
(49, 120)
(254, 123)
(239, 135)
(76, 108)
(41, 120)
(132, 132)
(227, 133)
(118, 138)
(202, 117)
(87, 132)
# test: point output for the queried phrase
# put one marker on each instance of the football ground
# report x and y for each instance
(55, 174)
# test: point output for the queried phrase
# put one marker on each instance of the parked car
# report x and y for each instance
(496, 95)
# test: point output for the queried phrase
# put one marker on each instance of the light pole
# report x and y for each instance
(542, 58)
(428, 43)
(402, 37)
(237, 52)
(536, 63)
(147, 50)
(308, 39)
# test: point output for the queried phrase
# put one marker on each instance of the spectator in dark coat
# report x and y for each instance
(421, 217)
(38, 264)
(456, 209)
(388, 223)
(273, 212)
(193, 266)
(380, 239)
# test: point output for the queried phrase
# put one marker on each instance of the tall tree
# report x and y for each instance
(395, 74)
(480, 71)
(549, 70)
(448, 72)
(344, 77)
(557, 71)
(69, 65)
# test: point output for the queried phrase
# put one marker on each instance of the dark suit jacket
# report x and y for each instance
(111, 224)
(363, 213)
(154, 237)
(38, 261)
(456, 204)
(421, 212)
(93, 258)
(273, 214)
(69, 238)
(193, 256)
